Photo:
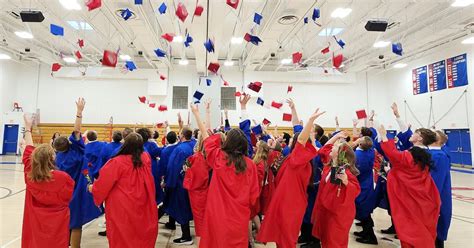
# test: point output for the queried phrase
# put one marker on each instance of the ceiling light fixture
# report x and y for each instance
(125, 57)
(462, 3)
(341, 12)
(229, 63)
(70, 4)
(330, 31)
(381, 43)
(400, 65)
(4, 56)
(183, 62)
(286, 61)
(70, 60)
(236, 40)
(79, 25)
(468, 40)
(178, 39)
(24, 34)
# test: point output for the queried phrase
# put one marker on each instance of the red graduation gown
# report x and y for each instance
(229, 200)
(414, 199)
(268, 182)
(260, 174)
(196, 181)
(129, 195)
(283, 219)
(46, 213)
(333, 215)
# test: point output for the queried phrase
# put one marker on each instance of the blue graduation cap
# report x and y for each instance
(260, 101)
(130, 65)
(126, 14)
(56, 30)
(162, 8)
(316, 14)
(188, 40)
(341, 43)
(257, 129)
(397, 48)
(197, 96)
(160, 53)
(138, 2)
(208, 82)
(252, 39)
(209, 45)
(257, 18)
(306, 20)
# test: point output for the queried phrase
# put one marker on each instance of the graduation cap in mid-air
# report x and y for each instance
(397, 48)
(290, 89)
(162, 77)
(277, 105)
(162, 8)
(306, 20)
(237, 94)
(93, 4)
(152, 105)
(56, 30)
(181, 12)
(260, 101)
(361, 114)
(162, 108)
(188, 40)
(198, 10)
(297, 57)
(167, 36)
(130, 65)
(209, 45)
(138, 2)
(198, 95)
(142, 99)
(266, 121)
(337, 60)
(80, 42)
(233, 3)
(160, 53)
(208, 82)
(316, 14)
(214, 67)
(257, 129)
(255, 86)
(126, 14)
(325, 50)
(55, 67)
(340, 42)
(286, 117)
(78, 55)
(109, 58)
(252, 39)
(257, 18)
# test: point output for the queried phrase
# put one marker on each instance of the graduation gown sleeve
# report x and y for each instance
(245, 127)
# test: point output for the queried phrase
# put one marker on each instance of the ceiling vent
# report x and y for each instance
(120, 11)
(14, 14)
(288, 19)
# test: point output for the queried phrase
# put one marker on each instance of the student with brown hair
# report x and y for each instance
(48, 193)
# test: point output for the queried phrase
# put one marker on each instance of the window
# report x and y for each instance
(228, 98)
(180, 97)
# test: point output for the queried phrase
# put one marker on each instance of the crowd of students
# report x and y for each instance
(239, 185)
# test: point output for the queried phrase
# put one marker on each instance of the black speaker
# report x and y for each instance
(377, 26)
(31, 16)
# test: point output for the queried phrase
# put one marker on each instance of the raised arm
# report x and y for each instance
(355, 131)
(202, 127)
(334, 138)
(28, 127)
(244, 124)
(180, 122)
(226, 120)
(371, 119)
(294, 115)
(337, 124)
(243, 107)
(80, 103)
(402, 125)
(304, 135)
(208, 114)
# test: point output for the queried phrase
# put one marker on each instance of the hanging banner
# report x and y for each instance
(457, 71)
(437, 75)
(420, 80)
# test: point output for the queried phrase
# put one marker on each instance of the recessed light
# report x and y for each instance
(381, 43)
(4, 56)
(80, 25)
(183, 62)
(125, 57)
(400, 65)
(236, 40)
(69, 60)
(341, 12)
(24, 34)
(330, 31)
(285, 61)
(178, 39)
(70, 4)
(468, 40)
(229, 63)
(462, 3)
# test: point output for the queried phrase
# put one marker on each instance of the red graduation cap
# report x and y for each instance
(109, 58)
(297, 57)
(162, 77)
(181, 12)
(214, 67)
(226, 83)
(233, 3)
(325, 50)
(78, 55)
(93, 4)
(266, 121)
(337, 60)
(55, 67)
(290, 89)
(80, 42)
(277, 105)
(247, 37)
(286, 117)
(237, 94)
(361, 114)
(255, 86)
(198, 11)
(142, 99)
(162, 108)
(168, 37)
(159, 125)
(152, 105)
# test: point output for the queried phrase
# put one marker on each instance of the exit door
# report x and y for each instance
(459, 146)
(10, 139)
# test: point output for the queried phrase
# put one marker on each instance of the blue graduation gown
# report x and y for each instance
(82, 206)
(245, 127)
(404, 143)
(178, 205)
(93, 158)
(365, 201)
(154, 151)
(442, 177)
(286, 151)
(109, 150)
(313, 189)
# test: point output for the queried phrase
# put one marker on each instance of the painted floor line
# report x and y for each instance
(463, 171)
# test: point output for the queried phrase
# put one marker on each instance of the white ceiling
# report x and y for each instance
(419, 25)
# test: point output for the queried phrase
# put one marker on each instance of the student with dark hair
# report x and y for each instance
(55, 135)
(93, 154)
(126, 185)
(112, 146)
(156, 135)
(292, 180)
(414, 199)
(365, 202)
(70, 158)
(233, 189)
(172, 142)
(48, 193)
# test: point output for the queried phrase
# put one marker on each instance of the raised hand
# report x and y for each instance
(337, 121)
(316, 114)
(29, 119)
(342, 135)
(194, 108)
(395, 110)
(244, 99)
(226, 114)
(372, 114)
(355, 122)
(80, 103)
(290, 102)
(207, 103)
(382, 132)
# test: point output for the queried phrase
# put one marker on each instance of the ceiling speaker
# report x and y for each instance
(31, 16)
(376, 26)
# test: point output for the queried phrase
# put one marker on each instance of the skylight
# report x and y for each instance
(79, 25)
(330, 31)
